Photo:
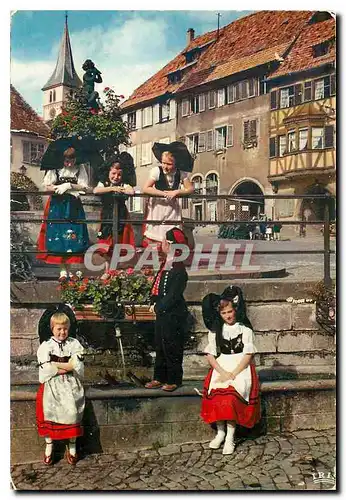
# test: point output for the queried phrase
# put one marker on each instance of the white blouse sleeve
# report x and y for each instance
(154, 174)
(210, 348)
(77, 358)
(50, 178)
(46, 369)
(83, 177)
(100, 185)
(248, 341)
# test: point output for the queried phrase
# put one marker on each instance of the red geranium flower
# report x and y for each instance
(93, 111)
(82, 288)
(106, 89)
(122, 97)
(130, 270)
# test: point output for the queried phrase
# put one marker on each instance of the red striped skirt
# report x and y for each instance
(228, 404)
(50, 429)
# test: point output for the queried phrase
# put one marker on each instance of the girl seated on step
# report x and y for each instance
(231, 388)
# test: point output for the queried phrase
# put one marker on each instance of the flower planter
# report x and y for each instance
(87, 313)
(139, 313)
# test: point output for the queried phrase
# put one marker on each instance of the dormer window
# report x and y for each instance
(191, 55)
(174, 77)
(321, 49)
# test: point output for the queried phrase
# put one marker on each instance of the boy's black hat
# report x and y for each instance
(44, 330)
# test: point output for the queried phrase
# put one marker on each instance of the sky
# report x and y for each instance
(126, 46)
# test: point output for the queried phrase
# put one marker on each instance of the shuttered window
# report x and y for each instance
(209, 140)
(212, 99)
(319, 89)
(307, 91)
(229, 141)
(26, 151)
(272, 147)
(326, 87)
(221, 97)
(252, 87)
(146, 153)
(237, 92)
(201, 142)
(273, 99)
(201, 99)
(329, 136)
(292, 145)
(332, 84)
(220, 137)
(230, 94)
(298, 94)
(244, 89)
(147, 116)
(282, 145)
(303, 139)
(317, 137)
(185, 107)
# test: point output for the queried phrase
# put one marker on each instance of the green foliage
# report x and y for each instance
(20, 264)
(120, 287)
(20, 182)
(105, 125)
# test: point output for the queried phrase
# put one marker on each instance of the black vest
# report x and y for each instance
(162, 183)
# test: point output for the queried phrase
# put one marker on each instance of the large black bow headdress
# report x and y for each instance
(210, 308)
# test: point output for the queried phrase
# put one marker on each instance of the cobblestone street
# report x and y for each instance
(293, 461)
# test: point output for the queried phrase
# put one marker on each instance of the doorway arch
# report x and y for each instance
(246, 187)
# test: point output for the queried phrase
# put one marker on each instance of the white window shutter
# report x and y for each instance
(220, 97)
(156, 113)
(172, 109)
(230, 94)
(229, 141)
(124, 117)
(209, 140)
(201, 142)
(132, 152)
(139, 118)
(185, 107)
(201, 98)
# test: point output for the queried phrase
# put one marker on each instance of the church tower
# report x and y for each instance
(63, 80)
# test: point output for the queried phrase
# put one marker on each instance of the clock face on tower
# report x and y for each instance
(52, 113)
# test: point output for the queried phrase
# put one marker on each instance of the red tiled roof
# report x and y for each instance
(158, 84)
(24, 118)
(235, 66)
(249, 39)
(301, 56)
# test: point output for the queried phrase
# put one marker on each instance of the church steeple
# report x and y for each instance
(64, 73)
(63, 80)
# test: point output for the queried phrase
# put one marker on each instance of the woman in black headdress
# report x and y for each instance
(231, 388)
(167, 182)
(114, 186)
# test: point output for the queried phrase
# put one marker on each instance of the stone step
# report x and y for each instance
(121, 419)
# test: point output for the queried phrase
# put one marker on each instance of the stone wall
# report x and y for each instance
(125, 419)
(287, 335)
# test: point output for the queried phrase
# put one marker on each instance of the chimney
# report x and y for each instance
(190, 35)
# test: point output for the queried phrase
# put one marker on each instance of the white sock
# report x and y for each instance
(49, 447)
(220, 435)
(72, 446)
(229, 441)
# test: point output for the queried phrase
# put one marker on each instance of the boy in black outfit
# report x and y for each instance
(171, 315)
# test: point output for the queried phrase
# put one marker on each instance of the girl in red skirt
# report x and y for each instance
(111, 181)
(60, 397)
(231, 389)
